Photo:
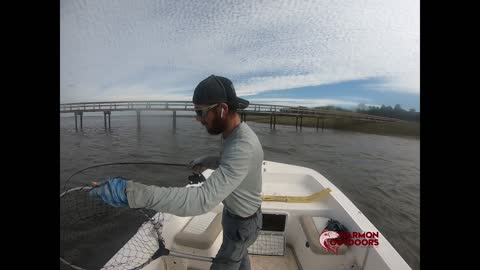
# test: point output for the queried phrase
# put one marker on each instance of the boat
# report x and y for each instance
(298, 203)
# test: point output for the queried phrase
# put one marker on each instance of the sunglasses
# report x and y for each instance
(203, 112)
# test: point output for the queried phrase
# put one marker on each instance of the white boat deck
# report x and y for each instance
(286, 262)
(284, 180)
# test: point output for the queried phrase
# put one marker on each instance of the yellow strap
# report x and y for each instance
(296, 199)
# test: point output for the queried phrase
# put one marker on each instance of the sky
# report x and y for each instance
(300, 53)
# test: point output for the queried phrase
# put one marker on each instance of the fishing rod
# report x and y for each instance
(195, 178)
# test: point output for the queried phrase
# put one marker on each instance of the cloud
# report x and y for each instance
(143, 49)
(258, 85)
(138, 92)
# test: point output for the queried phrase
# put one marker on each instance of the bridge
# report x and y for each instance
(187, 106)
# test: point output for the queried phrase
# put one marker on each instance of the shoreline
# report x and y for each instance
(410, 129)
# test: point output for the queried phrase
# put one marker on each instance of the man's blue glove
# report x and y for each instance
(112, 191)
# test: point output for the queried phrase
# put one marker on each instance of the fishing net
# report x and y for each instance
(95, 235)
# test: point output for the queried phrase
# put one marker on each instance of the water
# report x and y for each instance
(380, 174)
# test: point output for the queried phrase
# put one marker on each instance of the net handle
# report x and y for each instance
(71, 265)
(75, 189)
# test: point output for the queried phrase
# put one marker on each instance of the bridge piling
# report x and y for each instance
(105, 114)
(105, 119)
(81, 120)
(243, 117)
(174, 120)
(138, 119)
(76, 127)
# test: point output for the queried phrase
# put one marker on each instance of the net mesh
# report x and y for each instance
(95, 235)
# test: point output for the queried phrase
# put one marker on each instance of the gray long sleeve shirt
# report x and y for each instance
(237, 182)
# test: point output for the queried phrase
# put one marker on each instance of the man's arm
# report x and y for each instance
(191, 201)
(202, 163)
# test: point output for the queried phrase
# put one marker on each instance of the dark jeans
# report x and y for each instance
(238, 235)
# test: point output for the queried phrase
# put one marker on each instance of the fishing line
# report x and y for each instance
(123, 163)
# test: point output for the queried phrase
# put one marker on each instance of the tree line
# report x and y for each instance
(396, 112)
(388, 111)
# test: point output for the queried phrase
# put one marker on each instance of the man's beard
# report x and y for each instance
(218, 126)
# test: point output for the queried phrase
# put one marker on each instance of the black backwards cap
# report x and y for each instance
(217, 89)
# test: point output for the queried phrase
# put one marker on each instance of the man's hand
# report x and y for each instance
(202, 163)
(111, 191)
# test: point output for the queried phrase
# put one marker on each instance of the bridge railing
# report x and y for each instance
(125, 105)
(188, 106)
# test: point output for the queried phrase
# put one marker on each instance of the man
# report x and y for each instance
(236, 181)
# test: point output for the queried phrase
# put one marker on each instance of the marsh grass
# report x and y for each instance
(382, 128)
